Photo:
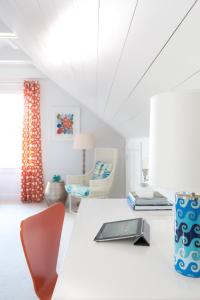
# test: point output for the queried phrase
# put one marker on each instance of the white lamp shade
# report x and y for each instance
(84, 141)
(175, 141)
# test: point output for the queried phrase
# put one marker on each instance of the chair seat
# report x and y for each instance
(78, 190)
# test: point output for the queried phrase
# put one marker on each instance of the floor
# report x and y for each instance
(15, 281)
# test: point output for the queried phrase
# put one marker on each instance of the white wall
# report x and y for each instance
(137, 150)
(59, 157)
(9, 184)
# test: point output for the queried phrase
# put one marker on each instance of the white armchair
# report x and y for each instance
(98, 188)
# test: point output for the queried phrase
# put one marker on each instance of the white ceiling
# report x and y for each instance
(15, 65)
(112, 55)
(9, 51)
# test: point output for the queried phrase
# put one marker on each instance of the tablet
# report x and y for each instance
(118, 230)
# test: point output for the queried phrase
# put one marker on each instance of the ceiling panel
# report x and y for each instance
(8, 53)
(4, 28)
(154, 22)
(178, 60)
(115, 21)
(190, 82)
(111, 55)
(137, 127)
(3, 43)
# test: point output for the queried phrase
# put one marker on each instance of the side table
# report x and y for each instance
(55, 192)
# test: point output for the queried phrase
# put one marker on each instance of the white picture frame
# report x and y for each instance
(65, 122)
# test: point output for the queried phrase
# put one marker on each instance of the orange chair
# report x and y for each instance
(40, 236)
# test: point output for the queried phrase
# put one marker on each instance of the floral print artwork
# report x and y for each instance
(64, 123)
(32, 188)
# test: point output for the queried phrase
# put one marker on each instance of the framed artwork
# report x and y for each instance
(66, 122)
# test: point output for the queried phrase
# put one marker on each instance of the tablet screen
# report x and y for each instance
(119, 229)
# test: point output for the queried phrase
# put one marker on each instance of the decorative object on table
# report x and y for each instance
(66, 122)
(80, 186)
(145, 172)
(56, 178)
(146, 192)
(55, 192)
(157, 202)
(137, 230)
(187, 237)
(84, 141)
(175, 165)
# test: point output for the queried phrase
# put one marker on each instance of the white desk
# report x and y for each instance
(118, 270)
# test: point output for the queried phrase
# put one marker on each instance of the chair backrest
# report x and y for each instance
(40, 235)
(108, 155)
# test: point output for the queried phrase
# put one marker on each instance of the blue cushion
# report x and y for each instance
(77, 190)
(101, 170)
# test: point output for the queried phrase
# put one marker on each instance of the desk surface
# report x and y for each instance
(118, 270)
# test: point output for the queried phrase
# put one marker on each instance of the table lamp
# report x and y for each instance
(84, 141)
(175, 166)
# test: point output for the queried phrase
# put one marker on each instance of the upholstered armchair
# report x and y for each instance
(92, 185)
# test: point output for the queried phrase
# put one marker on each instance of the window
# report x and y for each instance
(11, 120)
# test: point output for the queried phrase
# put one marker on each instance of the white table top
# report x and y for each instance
(118, 270)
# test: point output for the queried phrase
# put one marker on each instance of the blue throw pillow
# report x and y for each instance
(101, 170)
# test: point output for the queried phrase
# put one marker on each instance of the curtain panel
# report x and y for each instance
(32, 186)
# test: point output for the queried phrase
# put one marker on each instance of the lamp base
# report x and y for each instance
(187, 234)
(84, 161)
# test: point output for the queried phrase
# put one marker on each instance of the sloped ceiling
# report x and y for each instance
(15, 65)
(112, 55)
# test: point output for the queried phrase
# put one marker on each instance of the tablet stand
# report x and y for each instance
(144, 238)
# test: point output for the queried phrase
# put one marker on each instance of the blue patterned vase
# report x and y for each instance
(187, 235)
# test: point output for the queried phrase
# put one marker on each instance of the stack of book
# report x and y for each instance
(157, 202)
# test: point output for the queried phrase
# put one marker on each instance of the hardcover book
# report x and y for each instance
(157, 202)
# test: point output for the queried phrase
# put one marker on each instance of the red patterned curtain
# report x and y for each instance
(32, 187)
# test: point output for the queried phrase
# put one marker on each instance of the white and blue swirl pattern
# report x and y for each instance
(187, 236)
(188, 257)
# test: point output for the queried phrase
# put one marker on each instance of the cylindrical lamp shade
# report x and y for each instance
(175, 141)
(84, 141)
